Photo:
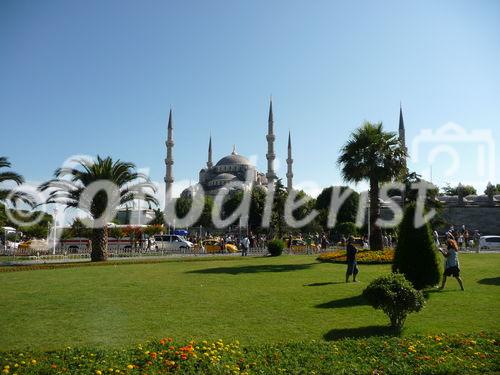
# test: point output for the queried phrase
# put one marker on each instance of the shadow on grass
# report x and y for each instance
(490, 281)
(343, 302)
(325, 283)
(254, 269)
(336, 334)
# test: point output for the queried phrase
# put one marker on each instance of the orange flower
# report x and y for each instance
(184, 356)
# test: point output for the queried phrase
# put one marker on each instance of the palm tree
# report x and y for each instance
(71, 187)
(377, 156)
(10, 195)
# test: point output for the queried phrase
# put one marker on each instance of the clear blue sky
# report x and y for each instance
(98, 77)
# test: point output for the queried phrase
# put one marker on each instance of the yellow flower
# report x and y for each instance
(130, 367)
(98, 372)
(33, 361)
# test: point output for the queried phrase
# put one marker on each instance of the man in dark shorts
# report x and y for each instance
(451, 267)
(352, 267)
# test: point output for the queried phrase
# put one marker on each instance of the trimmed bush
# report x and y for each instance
(396, 296)
(416, 253)
(275, 247)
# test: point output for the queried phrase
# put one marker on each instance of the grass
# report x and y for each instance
(253, 300)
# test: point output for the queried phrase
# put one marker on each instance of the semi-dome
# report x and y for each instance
(224, 177)
(233, 159)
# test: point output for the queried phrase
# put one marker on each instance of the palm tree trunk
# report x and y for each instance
(375, 232)
(99, 244)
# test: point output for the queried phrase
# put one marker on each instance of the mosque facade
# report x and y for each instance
(233, 168)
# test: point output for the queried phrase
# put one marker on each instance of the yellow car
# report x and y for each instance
(25, 245)
(299, 246)
(215, 246)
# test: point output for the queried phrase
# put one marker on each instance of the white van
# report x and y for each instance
(489, 243)
(172, 242)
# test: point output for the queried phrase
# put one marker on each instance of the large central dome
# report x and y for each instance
(233, 159)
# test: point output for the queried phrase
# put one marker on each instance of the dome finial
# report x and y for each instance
(234, 150)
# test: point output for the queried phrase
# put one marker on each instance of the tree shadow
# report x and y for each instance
(254, 269)
(490, 281)
(336, 334)
(325, 283)
(343, 302)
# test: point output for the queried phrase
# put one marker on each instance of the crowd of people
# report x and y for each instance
(465, 238)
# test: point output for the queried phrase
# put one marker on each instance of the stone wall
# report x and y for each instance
(485, 219)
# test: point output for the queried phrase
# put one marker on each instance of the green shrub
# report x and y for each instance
(275, 247)
(416, 254)
(395, 296)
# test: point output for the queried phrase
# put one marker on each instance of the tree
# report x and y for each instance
(347, 212)
(158, 218)
(257, 204)
(495, 189)
(79, 229)
(431, 200)
(182, 206)
(346, 228)
(278, 223)
(453, 190)
(205, 219)
(71, 184)
(377, 156)
(416, 254)
(8, 194)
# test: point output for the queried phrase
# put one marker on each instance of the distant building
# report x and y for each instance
(128, 216)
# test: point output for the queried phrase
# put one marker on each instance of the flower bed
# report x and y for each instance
(374, 355)
(363, 256)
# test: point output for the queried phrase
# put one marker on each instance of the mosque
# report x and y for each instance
(233, 167)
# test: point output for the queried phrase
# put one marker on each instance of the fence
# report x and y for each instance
(60, 255)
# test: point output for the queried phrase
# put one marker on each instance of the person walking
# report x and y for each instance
(452, 266)
(460, 241)
(352, 267)
(466, 239)
(245, 246)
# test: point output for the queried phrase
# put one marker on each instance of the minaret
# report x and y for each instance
(289, 162)
(270, 156)
(402, 130)
(169, 161)
(401, 127)
(209, 161)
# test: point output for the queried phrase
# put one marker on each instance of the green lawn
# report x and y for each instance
(254, 300)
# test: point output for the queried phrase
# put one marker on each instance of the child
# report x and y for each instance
(452, 267)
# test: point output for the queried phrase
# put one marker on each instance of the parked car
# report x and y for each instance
(172, 242)
(489, 243)
(300, 246)
(215, 246)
